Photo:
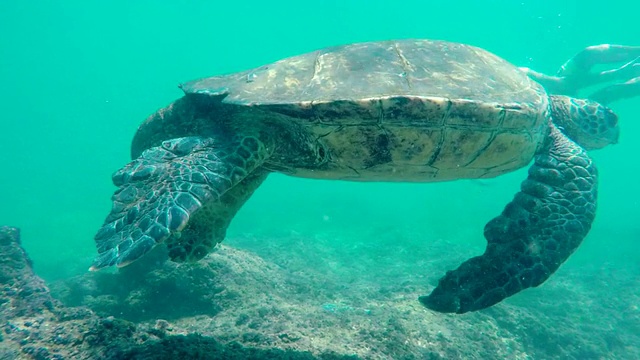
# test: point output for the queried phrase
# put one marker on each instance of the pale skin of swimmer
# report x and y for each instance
(576, 74)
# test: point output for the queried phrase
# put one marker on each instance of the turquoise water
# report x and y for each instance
(77, 78)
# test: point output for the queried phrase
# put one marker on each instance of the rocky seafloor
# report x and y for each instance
(302, 298)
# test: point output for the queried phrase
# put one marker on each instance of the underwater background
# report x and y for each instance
(78, 77)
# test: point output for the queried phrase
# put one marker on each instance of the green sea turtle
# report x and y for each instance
(409, 110)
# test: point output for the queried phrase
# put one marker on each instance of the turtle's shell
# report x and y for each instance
(444, 110)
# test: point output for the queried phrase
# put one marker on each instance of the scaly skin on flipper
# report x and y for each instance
(544, 224)
(165, 187)
(588, 123)
(208, 226)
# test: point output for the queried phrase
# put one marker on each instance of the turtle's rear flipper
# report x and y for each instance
(546, 221)
(183, 193)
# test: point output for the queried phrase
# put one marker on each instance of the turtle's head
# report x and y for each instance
(588, 123)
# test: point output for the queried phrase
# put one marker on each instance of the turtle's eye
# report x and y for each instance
(322, 154)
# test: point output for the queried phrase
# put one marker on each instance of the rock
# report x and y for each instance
(33, 325)
(22, 293)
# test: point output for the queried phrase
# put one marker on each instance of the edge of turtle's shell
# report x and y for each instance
(289, 83)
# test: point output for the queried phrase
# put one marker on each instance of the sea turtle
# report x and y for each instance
(402, 111)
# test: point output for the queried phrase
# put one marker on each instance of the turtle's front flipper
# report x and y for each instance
(546, 221)
(183, 193)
